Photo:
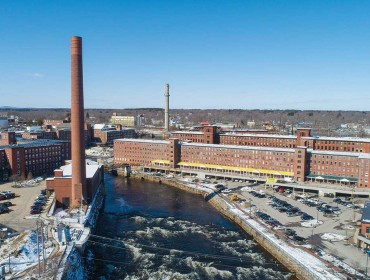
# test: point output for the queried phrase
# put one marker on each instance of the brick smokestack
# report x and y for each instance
(77, 123)
(167, 108)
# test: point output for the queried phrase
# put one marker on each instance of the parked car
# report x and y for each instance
(35, 211)
(289, 232)
(298, 239)
(306, 217)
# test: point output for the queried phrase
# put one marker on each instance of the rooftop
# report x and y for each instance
(91, 170)
(347, 139)
(143, 141)
(261, 135)
(366, 213)
(239, 147)
(28, 143)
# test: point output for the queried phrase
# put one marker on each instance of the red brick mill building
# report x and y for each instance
(26, 157)
(341, 161)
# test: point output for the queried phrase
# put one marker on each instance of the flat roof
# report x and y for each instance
(239, 147)
(91, 170)
(28, 143)
(336, 153)
(188, 132)
(261, 135)
(347, 139)
(143, 141)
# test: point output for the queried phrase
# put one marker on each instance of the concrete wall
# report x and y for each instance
(218, 203)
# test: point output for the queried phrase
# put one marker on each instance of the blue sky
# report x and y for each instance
(215, 54)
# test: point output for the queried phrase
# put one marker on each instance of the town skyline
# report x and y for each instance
(214, 55)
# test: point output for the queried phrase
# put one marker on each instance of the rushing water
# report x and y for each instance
(150, 231)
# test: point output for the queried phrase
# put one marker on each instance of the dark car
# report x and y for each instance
(289, 232)
(328, 212)
(337, 200)
(283, 209)
(292, 214)
(35, 211)
(306, 217)
(4, 209)
(298, 239)
(6, 203)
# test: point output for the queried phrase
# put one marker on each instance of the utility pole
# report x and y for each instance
(8, 234)
(43, 245)
(38, 248)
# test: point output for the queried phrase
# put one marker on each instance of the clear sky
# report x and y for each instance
(215, 54)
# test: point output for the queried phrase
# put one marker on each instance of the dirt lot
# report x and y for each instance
(15, 219)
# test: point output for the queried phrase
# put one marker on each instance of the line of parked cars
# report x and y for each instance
(291, 211)
(269, 220)
(257, 194)
(39, 203)
(291, 234)
(346, 204)
(4, 206)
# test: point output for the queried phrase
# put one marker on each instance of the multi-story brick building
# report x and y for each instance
(303, 138)
(106, 134)
(25, 157)
(299, 163)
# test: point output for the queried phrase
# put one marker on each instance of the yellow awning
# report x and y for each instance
(234, 168)
(162, 161)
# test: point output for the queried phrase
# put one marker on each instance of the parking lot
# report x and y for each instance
(339, 222)
(20, 209)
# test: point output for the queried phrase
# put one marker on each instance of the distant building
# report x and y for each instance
(128, 121)
(4, 122)
(105, 134)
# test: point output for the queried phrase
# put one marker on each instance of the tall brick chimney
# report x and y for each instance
(77, 123)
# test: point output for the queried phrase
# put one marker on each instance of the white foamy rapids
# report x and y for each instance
(144, 259)
(257, 273)
(233, 248)
(177, 264)
(207, 270)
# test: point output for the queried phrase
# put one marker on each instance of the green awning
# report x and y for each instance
(331, 178)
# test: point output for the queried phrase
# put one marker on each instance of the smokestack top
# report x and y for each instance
(76, 45)
(167, 93)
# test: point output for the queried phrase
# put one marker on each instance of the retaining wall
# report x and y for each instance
(300, 271)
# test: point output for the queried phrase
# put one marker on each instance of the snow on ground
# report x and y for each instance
(23, 250)
(99, 151)
(335, 261)
(311, 263)
(312, 223)
(329, 236)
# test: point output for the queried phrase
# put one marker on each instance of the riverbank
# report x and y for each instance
(297, 259)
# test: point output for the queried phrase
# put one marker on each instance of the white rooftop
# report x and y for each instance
(90, 170)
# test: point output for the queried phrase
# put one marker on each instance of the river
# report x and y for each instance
(147, 230)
